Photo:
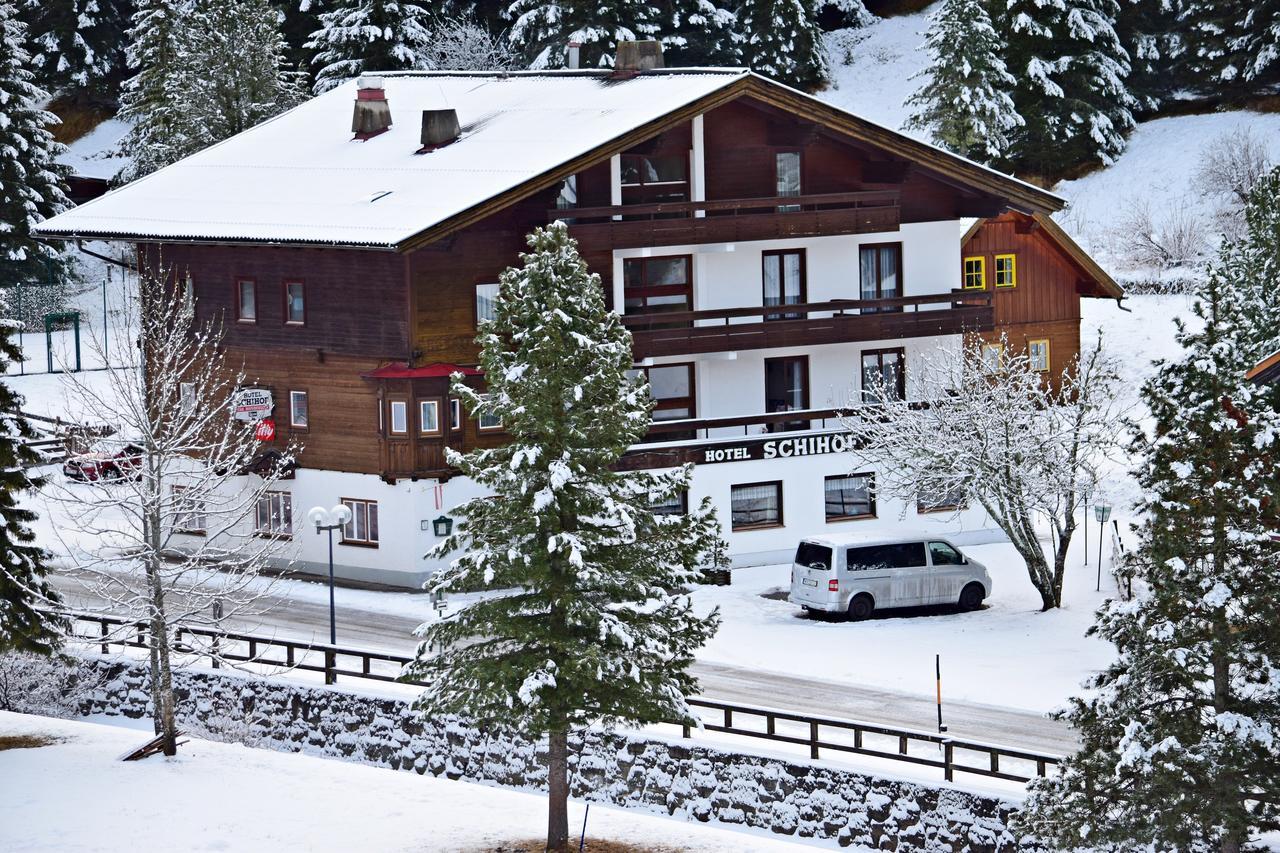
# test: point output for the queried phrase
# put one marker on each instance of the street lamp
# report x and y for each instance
(329, 520)
(1101, 512)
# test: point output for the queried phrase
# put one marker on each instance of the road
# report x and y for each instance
(307, 618)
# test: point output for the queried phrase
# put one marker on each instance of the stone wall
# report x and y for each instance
(684, 779)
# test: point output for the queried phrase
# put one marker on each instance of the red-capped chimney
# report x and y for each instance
(372, 113)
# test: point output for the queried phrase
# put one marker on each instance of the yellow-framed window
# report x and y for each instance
(1006, 270)
(1038, 354)
(993, 356)
(975, 273)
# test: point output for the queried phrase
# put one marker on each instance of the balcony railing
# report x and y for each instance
(744, 425)
(809, 323)
(731, 220)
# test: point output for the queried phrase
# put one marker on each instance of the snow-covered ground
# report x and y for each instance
(94, 154)
(881, 75)
(76, 795)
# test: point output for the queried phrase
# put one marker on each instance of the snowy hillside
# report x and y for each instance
(877, 78)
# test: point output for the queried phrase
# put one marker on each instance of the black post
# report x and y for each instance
(1086, 532)
(333, 622)
(937, 663)
(1101, 527)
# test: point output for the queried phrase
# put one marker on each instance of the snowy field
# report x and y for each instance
(76, 795)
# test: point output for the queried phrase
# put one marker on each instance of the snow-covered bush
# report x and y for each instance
(32, 684)
(460, 44)
(1230, 167)
(1160, 239)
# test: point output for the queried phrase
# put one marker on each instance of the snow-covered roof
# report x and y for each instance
(301, 178)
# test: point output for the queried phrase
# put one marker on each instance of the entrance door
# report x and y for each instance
(786, 389)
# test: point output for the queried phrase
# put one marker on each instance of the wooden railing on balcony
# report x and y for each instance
(743, 425)
(731, 220)
(836, 321)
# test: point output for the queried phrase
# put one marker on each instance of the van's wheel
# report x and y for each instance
(971, 596)
(860, 607)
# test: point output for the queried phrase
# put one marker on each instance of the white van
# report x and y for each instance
(859, 574)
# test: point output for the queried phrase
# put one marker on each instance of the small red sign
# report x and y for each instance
(265, 430)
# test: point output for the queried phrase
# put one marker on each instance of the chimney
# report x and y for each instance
(575, 49)
(636, 56)
(439, 128)
(372, 113)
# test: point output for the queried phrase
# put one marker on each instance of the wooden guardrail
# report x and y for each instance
(818, 734)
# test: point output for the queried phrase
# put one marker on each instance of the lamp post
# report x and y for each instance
(1101, 512)
(327, 521)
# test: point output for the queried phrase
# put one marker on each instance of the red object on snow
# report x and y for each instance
(401, 370)
(265, 430)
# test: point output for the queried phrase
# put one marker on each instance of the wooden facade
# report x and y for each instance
(416, 305)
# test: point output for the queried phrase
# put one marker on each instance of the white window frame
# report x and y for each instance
(357, 531)
(403, 407)
(279, 505)
(432, 406)
(294, 423)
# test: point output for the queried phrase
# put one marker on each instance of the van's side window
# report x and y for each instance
(944, 555)
(899, 556)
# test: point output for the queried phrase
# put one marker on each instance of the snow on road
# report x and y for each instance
(77, 795)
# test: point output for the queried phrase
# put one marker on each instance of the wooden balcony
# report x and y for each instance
(631, 226)
(836, 322)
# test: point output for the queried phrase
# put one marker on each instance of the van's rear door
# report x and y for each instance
(812, 573)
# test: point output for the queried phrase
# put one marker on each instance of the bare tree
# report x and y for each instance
(461, 44)
(999, 434)
(169, 536)
(1230, 167)
(1164, 240)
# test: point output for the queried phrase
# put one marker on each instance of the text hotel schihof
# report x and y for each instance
(781, 448)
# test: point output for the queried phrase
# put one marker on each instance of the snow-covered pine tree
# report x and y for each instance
(1234, 48)
(597, 628)
(701, 33)
(1181, 734)
(781, 39)
(541, 30)
(964, 102)
(78, 46)
(233, 76)
(157, 134)
(1149, 32)
(31, 181)
(24, 585)
(356, 36)
(1070, 70)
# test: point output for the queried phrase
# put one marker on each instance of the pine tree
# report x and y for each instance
(78, 46)
(701, 34)
(356, 36)
(1149, 32)
(31, 181)
(1070, 70)
(1181, 734)
(24, 586)
(541, 30)
(1234, 48)
(965, 102)
(206, 71)
(598, 628)
(154, 53)
(781, 39)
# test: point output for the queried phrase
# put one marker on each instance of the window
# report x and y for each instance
(940, 497)
(656, 285)
(671, 389)
(992, 356)
(295, 305)
(486, 302)
(188, 512)
(247, 301)
(488, 421)
(783, 281)
(1006, 270)
(975, 273)
(399, 416)
(1038, 355)
(188, 292)
(884, 377)
(298, 409)
(677, 504)
(653, 178)
(944, 555)
(850, 496)
(756, 505)
(786, 389)
(273, 515)
(429, 417)
(900, 556)
(880, 269)
(786, 171)
(455, 415)
(362, 529)
(186, 397)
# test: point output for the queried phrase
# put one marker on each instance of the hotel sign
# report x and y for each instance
(786, 447)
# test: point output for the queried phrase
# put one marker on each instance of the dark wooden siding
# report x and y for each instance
(356, 301)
